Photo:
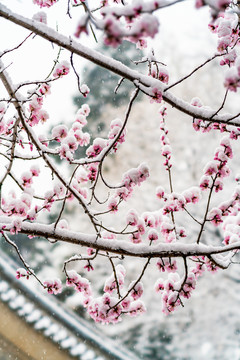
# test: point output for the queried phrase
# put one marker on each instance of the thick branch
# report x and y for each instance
(113, 66)
(118, 246)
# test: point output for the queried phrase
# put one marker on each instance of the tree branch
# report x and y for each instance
(114, 66)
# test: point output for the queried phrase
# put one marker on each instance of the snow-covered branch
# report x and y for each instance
(116, 67)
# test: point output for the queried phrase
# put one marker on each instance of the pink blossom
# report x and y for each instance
(232, 79)
(156, 95)
(152, 235)
(218, 185)
(223, 43)
(35, 170)
(141, 226)
(41, 16)
(132, 218)
(113, 204)
(44, 3)
(229, 58)
(163, 75)
(137, 307)
(110, 283)
(159, 285)
(211, 168)
(59, 132)
(45, 89)
(136, 238)
(215, 216)
(192, 195)
(160, 192)
(84, 90)
(71, 142)
(81, 118)
(53, 286)
(63, 224)
(26, 178)
(81, 26)
(16, 226)
(92, 172)
(62, 69)
(89, 267)
(21, 272)
(137, 291)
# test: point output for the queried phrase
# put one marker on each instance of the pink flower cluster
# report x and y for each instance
(130, 179)
(167, 264)
(206, 126)
(154, 226)
(110, 283)
(44, 3)
(231, 224)
(20, 207)
(225, 26)
(227, 214)
(174, 288)
(109, 309)
(79, 283)
(82, 26)
(21, 272)
(134, 22)
(156, 95)
(216, 170)
(160, 74)
(16, 226)
(71, 139)
(227, 30)
(37, 114)
(53, 286)
(99, 144)
(61, 69)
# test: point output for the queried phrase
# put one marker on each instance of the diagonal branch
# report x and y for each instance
(114, 66)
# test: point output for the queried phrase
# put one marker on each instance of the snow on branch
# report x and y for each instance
(149, 84)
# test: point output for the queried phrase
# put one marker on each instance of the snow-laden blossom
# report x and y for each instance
(165, 264)
(59, 132)
(215, 216)
(192, 195)
(113, 204)
(232, 79)
(81, 26)
(44, 3)
(96, 148)
(137, 291)
(84, 90)
(63, 224)
(62, 69)
(152, 235)
(132, 217)
(78, 282)
(26, 178)
(16, 226)
(21, 272)
(53, 286)
(41, 16)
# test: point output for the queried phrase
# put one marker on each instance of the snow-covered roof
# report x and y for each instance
(45, 314)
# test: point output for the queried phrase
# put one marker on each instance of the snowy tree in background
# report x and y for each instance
(162, 237)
